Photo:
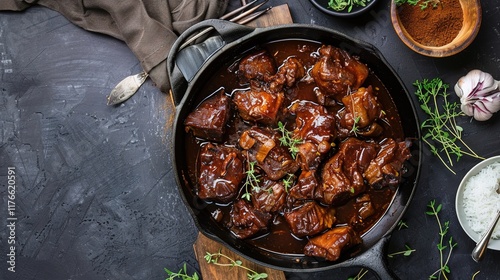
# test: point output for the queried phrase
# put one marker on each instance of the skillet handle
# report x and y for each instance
(375, 259)
(183, 64)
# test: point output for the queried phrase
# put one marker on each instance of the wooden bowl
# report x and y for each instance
(471, 23)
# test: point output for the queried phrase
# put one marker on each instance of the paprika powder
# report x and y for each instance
(436, 25)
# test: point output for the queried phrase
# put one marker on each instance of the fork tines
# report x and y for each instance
(242, 15)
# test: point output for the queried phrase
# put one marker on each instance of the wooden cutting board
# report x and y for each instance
(276, 16)
(215, 272)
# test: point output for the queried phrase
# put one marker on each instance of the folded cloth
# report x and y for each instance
(148, 27)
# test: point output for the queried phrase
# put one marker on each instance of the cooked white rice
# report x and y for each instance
(481, 200)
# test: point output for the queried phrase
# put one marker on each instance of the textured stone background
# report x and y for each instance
(96, 195)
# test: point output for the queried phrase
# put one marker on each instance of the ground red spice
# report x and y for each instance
(433, 26)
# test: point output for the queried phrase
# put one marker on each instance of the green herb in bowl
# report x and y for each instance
(344, 8)
(342, 5)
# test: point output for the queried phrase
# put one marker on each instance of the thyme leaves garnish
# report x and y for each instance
(402, 224)
(441, 132)
(288, 140)
(288, 181)
(362, 272)
(442, 246)
(214, 258)
(355, 127)
(405, 253)
(182, 274)
(252, 181)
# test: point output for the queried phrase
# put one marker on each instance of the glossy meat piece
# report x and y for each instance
(288, 74)
(305, 187)
(361, 108)
(310, 219)
(208, 121)
(316, 128)
(221, 172)
(342, 175)
(330, 244)
(259, 65)
(363, 210)
(258, 105)
(337, 73)
(308, 156)
(271, 196)
(386, 168)
(263, 146)
(364, 206)
(246, 221)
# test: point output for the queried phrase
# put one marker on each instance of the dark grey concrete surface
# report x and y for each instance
(95, 193)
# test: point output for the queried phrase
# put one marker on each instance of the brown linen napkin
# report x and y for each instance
(148, 27)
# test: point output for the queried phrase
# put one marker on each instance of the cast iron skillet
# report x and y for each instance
(188, 70)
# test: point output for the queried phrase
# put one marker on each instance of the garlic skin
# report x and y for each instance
(479, 94)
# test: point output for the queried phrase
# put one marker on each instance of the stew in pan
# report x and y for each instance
(298, 148)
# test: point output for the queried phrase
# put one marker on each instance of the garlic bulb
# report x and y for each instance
(479, 94)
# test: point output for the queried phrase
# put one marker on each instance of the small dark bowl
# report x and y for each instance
(322, 5)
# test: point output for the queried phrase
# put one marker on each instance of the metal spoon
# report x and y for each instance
(126, 88)
(481, 246)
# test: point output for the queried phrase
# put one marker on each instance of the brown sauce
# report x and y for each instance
(279, 238)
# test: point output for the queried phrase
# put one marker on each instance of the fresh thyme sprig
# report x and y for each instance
(402, 224)
(182, 274)
(355, 127)
(360, 274)
(405, 253)
(288, 181)
(441, 132)
(340, 5)
(288, 140)
(213, 258)
(252, 181)
(443, 230)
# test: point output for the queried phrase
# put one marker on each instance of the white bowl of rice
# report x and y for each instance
(478, 200)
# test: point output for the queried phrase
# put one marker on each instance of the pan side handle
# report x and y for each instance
(375, 259)
(184, 63)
